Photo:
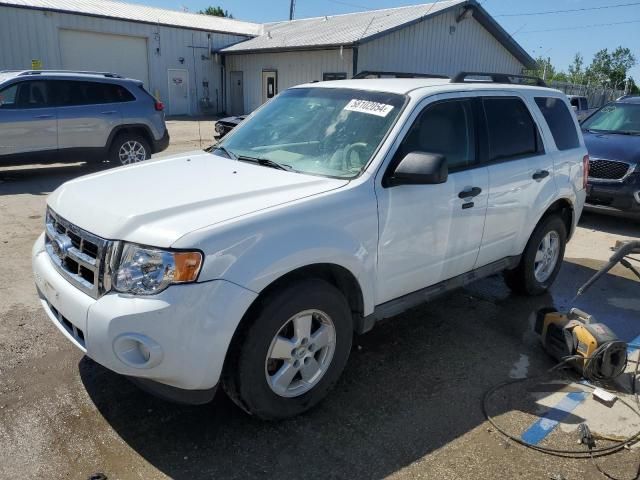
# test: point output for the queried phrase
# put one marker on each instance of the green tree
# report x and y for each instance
(216, 12)
(610, 68)
(576, 73)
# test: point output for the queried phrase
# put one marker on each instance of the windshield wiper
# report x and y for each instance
(265, 162)
(226, 151)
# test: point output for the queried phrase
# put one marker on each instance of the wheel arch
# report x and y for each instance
(564, 208)
(135, 128)
(338, 276)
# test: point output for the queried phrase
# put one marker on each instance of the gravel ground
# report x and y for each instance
(408, 405)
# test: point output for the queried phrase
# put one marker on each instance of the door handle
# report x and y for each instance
(109, 112)
(43, 116)
(470, 192)
(540, 174)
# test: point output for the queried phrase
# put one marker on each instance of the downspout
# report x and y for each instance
(355, 60)
(223, 81)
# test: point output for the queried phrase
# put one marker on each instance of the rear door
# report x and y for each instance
(27, 118)
(521, 176)
(88, 112)
(430, 233)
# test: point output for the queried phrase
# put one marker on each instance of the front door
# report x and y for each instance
(430, 233)
(178, 92)
(28, 120)
(237, 93)
(269, 85)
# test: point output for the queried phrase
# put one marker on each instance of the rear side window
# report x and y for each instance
(560, 122)
(512, 133)
(71, 92)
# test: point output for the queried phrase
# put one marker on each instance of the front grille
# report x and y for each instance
(81, 257)
(611, 170)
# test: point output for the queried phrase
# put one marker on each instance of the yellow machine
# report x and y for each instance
(592, 347)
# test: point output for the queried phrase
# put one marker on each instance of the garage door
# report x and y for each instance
(101, 52)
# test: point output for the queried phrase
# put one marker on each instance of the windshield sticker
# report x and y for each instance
(371, 108)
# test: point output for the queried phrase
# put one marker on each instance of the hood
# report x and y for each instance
(613, 146)
(158, 201)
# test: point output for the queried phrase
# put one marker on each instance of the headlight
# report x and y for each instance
(147, 271)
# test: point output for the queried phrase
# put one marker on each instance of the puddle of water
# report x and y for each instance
(520, 369)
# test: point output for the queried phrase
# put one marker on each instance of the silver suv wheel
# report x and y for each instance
(547, 256)
(131, 151)
(300, 353)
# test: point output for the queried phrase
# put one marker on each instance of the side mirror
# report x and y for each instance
(419, 168)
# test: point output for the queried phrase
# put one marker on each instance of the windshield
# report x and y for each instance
(320, 131)
(615, 118)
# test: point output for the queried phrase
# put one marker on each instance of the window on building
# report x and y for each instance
(334, 76)
(445, 128)
(560, 122)
(512, 133)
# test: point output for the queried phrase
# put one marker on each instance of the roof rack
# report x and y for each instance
(375, 74)
(496, 78)
(82, 72)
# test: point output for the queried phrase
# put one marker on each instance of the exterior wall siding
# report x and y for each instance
(293, 69)
(429, 47)
(34, 34)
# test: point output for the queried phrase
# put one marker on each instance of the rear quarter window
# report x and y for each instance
(560, 122)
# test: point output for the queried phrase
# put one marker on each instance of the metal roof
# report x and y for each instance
(354, 28)
(140, 13)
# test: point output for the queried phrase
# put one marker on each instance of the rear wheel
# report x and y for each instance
(128, 148)
(286, 359)
(541, 260)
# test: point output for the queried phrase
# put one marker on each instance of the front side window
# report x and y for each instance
(30, 94)
(445, 128)
(560, 122)
(622, 118)
(320, 131)
(8, 96)
(512, 132)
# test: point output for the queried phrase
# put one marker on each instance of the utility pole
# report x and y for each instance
(292, 9)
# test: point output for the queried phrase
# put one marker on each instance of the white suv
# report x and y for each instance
(333, 206)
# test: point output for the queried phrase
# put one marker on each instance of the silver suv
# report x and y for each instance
(54, 115)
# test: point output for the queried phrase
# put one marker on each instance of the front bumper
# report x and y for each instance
(611, 197)
(177, 338)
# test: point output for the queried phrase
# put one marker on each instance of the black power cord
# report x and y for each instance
(592, 452)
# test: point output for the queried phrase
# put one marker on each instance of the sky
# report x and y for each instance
(556, 35)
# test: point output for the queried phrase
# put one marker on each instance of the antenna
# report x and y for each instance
(292, 9)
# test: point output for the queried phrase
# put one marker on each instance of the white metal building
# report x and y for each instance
(171, 52)
(202, 64)
(441, 38)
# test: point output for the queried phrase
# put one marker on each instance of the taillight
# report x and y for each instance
(585, 171)
(159, 106)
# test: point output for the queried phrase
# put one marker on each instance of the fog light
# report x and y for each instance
(137, 351)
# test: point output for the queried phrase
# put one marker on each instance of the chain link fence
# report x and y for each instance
(596, 96)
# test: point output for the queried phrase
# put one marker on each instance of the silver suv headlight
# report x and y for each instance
(147, 271)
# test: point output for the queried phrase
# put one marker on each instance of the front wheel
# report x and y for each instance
(289, 355)
(541, 259)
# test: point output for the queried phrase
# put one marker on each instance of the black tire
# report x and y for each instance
(245, 377)
(121, 140)
(523, 279)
